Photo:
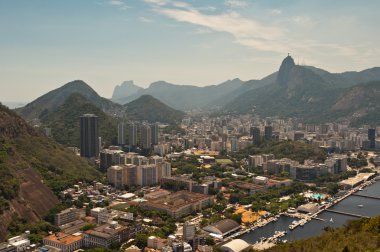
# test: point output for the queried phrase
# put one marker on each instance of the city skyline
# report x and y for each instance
(105, 42)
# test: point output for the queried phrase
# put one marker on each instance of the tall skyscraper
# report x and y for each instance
(268, 132)
(155, 134)
(132, 134)
(121, 133)
(146, 136)
(372, 138)
(89, 136)
(256, 136)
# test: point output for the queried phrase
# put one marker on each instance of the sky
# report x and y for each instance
(45, 44)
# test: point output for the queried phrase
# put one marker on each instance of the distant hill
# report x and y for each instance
(312, 94)
(357, 235)
(186, 97)
(148, 108)
(359, 104)
(348, 79)
(64, 121)
(127, 88)
(55, 98)
(296, 91)
(32, 168)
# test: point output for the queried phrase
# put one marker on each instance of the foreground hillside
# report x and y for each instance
(32, 169)
(358, 235)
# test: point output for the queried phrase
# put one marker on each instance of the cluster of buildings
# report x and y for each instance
(131, 169)
(17, 244)
(232, 133)
(307, 171)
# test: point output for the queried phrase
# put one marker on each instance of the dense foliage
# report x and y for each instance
(37, 230)
(294, 150)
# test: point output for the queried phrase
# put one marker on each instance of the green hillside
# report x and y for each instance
(32, 169)
(50, 101)
(64, 121)
(148, 108)
(357, 235)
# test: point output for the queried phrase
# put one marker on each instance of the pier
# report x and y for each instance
(366, 196)
(345, 213)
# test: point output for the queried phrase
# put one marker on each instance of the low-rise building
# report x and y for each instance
(104, 235)
(223, 228)
(180, 203)
(64, 242)
(21, 242)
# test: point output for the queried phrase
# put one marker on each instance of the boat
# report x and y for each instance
(360, 205)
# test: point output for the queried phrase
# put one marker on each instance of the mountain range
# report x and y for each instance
(182, 97)
(307, 92)
(314, 95)
(61, 108)
(311, 93)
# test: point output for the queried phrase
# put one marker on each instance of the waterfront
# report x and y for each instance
(370, 207)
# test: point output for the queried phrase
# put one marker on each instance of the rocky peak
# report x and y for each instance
(285, 69)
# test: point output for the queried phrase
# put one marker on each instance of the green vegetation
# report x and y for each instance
(64, 121)
(148, 108)
(88, 227)
(28, 158)
(37, 230)
(357, 235)
(259, 199)
(359, 161)
(294, 150)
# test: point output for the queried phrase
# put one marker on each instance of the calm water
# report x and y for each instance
(371, 207)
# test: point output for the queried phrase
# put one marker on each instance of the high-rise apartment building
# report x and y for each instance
(132, 134)
(121, 133)
(89, 136)
(256, 136)
(268, 132)
(372, 138)
(155, 133)
(146, 136)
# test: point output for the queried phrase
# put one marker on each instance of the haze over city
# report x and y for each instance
(105, 42)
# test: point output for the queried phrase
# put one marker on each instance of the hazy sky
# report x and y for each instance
(45, 44)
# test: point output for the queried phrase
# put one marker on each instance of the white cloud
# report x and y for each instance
(145, 19)
(116, 2)
(245, 31)
(252, 33)
(276, 12)
(157, 2)
(120, 4)
(235, 3)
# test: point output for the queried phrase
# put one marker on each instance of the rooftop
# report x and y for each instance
(63, 238)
